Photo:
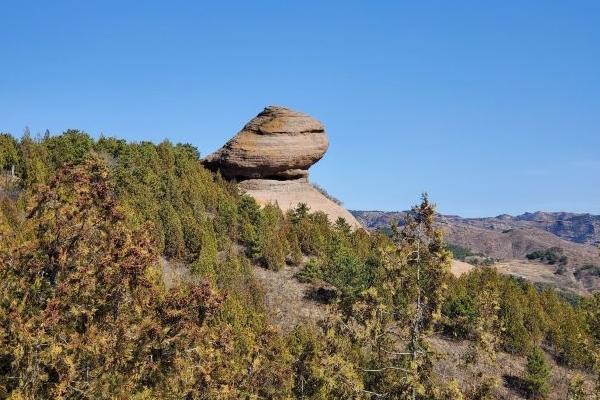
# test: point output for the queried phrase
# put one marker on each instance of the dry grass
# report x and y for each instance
(289, 301)
(507, 370)
(542, 273)
(508, 240)
(460, 267)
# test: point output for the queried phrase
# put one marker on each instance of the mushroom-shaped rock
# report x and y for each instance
(270, 157)
(278, 143)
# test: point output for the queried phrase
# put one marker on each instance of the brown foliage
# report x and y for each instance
(84, 313)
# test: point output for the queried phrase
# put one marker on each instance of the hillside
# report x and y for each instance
(577, 228)
(293, 302)
(130, 270)
(507, 238)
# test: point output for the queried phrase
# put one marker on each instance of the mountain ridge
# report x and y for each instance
(583, 228)
(509, 239)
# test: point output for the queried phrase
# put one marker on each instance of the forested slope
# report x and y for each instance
(505, 238)
(86, 224)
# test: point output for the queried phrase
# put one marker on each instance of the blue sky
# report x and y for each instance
(491, 107)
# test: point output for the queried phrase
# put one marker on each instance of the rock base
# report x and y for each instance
(288, 194)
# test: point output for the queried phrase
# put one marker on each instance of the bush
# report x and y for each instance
(205, 264)
(9, 153)
(527, 316)
(537, 375)
(459, 252)
(588, 269)
(273, 252)
(326, 194)
(550, 256)
(577, 390)
(173, 232)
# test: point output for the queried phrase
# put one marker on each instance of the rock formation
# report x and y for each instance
(270, 157)
(277, 144)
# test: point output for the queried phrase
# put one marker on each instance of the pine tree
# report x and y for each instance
(592, 310)
(300, 212)
(429, 264)
(173, 231)
(273, 251)
(9, 153)
(402, 306)
(537, 374)
(488, 326)
(35, 163)
(295, 255)
(206, 263)
(323, 368)
(71, 147)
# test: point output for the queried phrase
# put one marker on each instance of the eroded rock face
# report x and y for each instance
(278, 143)
(288, 194)
(270, 158)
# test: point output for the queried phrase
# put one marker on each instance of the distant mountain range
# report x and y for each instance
(578, 228)
(506, 237)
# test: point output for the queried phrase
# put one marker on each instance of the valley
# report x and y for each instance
(507, 241)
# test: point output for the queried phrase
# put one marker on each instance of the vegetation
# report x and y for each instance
(577, 390)
(481, 261)
(325, 193)
(86, 314)
(590, 269)
(87, 310)
(464, 254)
(551, 256)
(527, 317)
(460, 252)
(9, 153)
(537, 374)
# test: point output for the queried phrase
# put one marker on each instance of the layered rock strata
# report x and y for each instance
(270, 157)
(277, 144)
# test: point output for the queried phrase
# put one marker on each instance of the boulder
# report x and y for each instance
(270, 158)
(278, 143)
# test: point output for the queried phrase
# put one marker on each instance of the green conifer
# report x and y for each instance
(537, 374)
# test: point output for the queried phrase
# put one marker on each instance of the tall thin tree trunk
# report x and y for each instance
(418, 316)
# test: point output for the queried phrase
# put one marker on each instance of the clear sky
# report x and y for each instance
(491, 107)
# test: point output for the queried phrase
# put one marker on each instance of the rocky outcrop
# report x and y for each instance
(270, 157)
(278, 143)
(287, 194)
